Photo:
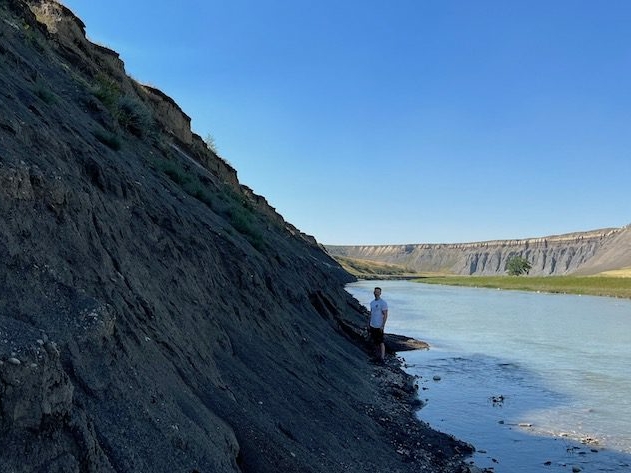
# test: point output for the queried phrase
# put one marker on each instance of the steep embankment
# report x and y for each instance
(574, 253)
(614, 254)
(156, 316)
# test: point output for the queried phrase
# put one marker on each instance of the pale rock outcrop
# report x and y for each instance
(584, 252)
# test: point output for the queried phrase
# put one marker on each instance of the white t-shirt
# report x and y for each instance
(377, 306)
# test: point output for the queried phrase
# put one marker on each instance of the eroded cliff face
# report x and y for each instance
(155, 315)
(140, 315)
(585, 253)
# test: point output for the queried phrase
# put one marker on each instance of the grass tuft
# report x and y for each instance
(236, 210)
(107, 91)
(132, 115)
(112, 140)
(45, 94)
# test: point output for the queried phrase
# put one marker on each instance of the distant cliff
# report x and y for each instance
(587, 252)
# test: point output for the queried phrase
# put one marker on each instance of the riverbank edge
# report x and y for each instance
(525, 283)
(574, 285)
(399, 400)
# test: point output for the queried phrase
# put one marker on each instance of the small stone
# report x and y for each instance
(14, 361)
(51, 348)
(436, 378)
(576, 469)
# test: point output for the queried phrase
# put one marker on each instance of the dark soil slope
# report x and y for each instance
(156, 316)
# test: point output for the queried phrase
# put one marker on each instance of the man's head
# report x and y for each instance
(377, 292)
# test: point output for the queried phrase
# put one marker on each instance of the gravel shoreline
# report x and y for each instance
(395, 408)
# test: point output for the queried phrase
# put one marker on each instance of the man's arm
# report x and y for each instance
(385, 317)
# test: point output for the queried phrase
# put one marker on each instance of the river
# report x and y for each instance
(536, 382)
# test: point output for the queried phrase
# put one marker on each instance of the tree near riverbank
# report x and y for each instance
(517, 265)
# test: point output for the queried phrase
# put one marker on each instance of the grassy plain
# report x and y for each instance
(616, 283)
(599, 285)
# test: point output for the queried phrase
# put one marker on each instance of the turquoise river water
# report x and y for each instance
(535, 382)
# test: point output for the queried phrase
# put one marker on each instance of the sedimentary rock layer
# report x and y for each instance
(585, 253)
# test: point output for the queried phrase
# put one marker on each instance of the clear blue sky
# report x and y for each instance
(402, 121)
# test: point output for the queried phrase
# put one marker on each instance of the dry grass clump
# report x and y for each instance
(617, 273)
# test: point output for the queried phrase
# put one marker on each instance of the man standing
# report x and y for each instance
(378, 317)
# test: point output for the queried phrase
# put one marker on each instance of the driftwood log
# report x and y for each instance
(396, 343)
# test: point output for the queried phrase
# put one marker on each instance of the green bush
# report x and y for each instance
(173, 170)
(111, 140)
(242, 221)
(236, 209)
(517, 266)
(45, 94)
(132, 115)
(107, 91)
(189, 182)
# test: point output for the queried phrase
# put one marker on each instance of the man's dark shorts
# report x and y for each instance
(376, 335)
